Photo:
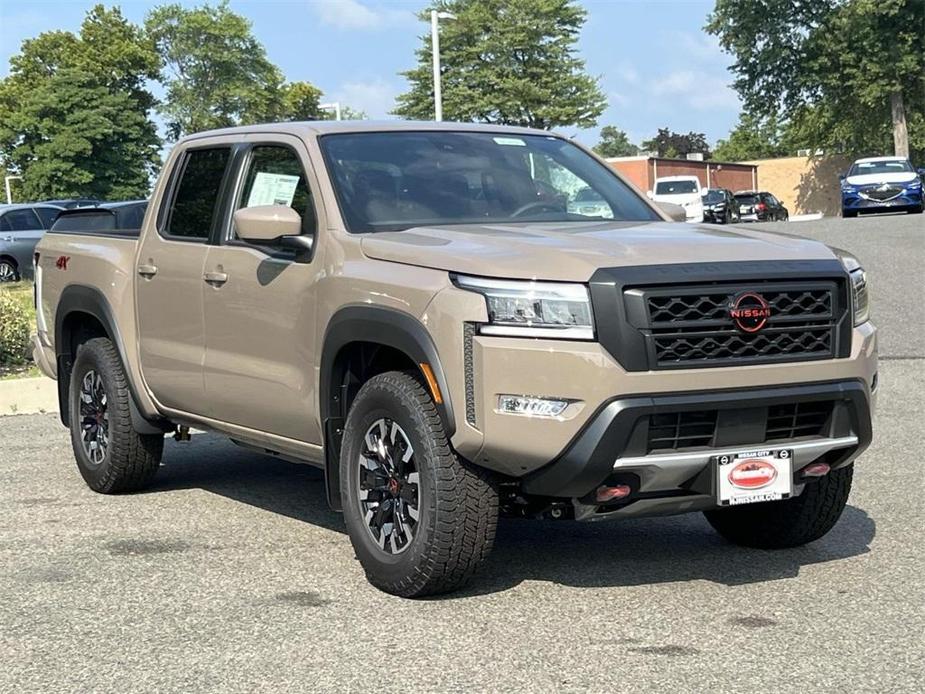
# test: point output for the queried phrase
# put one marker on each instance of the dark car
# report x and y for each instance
(21, 227)
(760, 206)
(72, 203)
(720, 206)
(108, 216)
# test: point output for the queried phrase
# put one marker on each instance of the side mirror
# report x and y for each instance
(267, 223)
(841, 177)
(675, 212)
(920, 172)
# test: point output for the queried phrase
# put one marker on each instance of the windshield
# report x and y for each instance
(713, 196)
(862, 168)
(392, 181)
(747, 199)
(675, 187)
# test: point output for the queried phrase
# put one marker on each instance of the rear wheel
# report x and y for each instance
(8, 270)
(848, 213)
(420, 519)
(789, 523)
(111, 456)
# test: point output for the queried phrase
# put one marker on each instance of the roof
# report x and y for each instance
(27, 205)
(872, 159)
(325, 127)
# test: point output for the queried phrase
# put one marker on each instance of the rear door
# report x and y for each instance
(260, 305)
(169, 282)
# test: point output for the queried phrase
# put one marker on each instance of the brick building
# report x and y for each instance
(642, 171)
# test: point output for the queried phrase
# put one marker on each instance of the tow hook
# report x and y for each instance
(181, 433)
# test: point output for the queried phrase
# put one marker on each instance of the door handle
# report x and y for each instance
(216, 279)
(147, 271)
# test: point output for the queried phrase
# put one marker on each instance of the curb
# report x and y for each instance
(28, 396)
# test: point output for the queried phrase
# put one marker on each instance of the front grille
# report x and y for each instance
(673, 431)
(881, 193)
(797, 419)
(676, 430)
(692, 326)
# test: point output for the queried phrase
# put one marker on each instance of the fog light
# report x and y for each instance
(531, 407)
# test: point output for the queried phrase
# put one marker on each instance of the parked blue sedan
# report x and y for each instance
(881, 184)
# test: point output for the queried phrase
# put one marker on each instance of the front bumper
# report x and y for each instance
(612, 447)
(856, 201)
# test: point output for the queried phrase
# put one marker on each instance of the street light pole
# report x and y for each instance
(6, 184)
(435, 53)
(332, 107)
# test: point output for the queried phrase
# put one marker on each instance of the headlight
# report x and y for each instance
(533, 309)
(915, 185)
(860, 300)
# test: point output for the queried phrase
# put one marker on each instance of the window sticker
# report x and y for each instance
(513, 141)
(272, 189)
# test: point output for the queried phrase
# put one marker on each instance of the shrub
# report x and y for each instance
(15, 330)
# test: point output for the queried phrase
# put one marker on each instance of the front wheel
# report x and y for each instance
(111, 456)
(789, 523)
(420, 519)
(847, 214)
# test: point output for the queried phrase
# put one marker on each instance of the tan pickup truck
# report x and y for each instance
(432, 315)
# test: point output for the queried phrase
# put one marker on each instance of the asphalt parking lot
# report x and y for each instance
(232, 575)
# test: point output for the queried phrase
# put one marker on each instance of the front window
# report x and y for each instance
(862, 168)
(675, 187)
(714, 196)
(392, 181)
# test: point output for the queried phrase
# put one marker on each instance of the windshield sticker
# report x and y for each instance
(513, 141)
(272, 189)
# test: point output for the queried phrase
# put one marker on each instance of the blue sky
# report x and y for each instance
(656, 66)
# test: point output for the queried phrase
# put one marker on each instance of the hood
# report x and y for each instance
(573, 251)
(868, 179)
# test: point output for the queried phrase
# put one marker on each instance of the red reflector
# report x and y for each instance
(605, 494)
(816, 470)
(761, 206)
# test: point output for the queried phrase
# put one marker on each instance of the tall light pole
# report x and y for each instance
(6, 184)
(435, 52)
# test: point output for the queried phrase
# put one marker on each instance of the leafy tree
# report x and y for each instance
(671, 144)
(845, 73)
(752, 138)
(300, 102)
(218, 73)
(506, 61)
(74, 111)
(615, 143)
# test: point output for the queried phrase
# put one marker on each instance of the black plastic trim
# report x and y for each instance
(377, 325)
(628, 344)
(588, 460)
(79, 298)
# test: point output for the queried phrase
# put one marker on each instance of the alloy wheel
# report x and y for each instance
(94, 417)
(389, 486)
(7, 272)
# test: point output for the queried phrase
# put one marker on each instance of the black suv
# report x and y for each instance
(760, 206)
(720, 206)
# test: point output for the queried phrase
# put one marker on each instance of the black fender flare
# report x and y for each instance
(80, 298)
(378, 325)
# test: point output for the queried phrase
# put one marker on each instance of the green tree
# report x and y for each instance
(217, 72)
(300, 102)
(506, 61)
(615, 143)
(844, 73)
(668, 143)
(752, 138)
(74, 111)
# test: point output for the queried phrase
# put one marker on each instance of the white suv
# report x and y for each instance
(681, 190)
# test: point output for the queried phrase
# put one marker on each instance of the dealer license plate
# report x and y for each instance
(753, 476)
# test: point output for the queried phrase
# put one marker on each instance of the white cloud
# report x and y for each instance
(376, 98)
(701, 46)
(696, 89)
(353, 14)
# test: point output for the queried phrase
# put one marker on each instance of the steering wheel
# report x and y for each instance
(538, 205)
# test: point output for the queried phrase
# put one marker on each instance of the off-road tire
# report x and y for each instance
(458, 502)
(788, 523)
(131, 459)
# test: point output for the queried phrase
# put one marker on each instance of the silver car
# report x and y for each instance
(21, 227)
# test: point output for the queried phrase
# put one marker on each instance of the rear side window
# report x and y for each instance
(48, 215)
(196, 198)
(20, 220)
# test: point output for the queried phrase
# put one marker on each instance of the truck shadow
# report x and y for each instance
(594, 555)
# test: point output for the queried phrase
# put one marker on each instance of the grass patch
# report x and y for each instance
(21, 294)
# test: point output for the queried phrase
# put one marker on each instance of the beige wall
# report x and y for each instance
(804, 184)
